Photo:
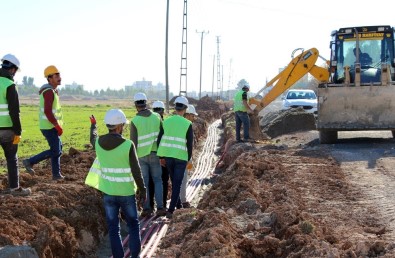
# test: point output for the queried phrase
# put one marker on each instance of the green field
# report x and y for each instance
(75, 129)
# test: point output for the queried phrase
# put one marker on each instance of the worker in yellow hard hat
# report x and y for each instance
(51, 122)
(10, 124)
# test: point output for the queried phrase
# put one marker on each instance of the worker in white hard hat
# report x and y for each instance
(10, 124)
(190, 114)
(145, 130)
(116, 173)
(159, 107)
(242, 109)
(175, 149)
(50, 123)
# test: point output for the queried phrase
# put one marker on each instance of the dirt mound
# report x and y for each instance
(60, 219)
(282, 122)
(277, 202)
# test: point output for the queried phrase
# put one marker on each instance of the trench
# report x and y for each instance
(153, 229)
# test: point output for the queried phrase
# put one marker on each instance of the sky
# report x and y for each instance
(112, 43)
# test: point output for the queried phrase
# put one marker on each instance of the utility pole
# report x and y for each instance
(201, 54)
(218, 71)
(212, 84)
(166, 58)
(183, 75)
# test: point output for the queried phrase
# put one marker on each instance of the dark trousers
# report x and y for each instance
(176, 168)
(10, 153)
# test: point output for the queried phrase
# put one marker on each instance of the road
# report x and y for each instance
(367, 159)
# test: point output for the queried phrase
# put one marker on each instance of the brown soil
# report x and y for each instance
(279, 200)
(66, 219)
(285, 197)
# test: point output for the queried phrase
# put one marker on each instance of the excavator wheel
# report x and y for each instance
(328, 137)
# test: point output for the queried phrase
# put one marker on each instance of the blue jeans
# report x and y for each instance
(10, 150)
(54, 152)
(242, 118)
(176, 168)
(112, 205)
(150, 166)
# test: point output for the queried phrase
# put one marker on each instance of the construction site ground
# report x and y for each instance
(284, 196)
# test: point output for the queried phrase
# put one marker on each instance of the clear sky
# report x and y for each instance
(104, 43)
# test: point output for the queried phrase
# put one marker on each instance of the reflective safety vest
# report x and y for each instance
(56, 110)
(110, 172)
(238, 102)
(5, 118)
(174, 143)
(147, 131)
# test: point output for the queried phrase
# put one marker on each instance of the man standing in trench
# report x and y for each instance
(145, 130)
(116, 172)
(242, 109)
(51, 122)
(10, 124)
(175, 149)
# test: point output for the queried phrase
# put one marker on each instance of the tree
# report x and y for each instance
(241, 84)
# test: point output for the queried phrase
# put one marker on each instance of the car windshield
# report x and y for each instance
(301, 95)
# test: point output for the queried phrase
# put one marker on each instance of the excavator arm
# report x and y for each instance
(299, 66)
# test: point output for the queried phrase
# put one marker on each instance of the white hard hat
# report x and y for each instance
(12, 59)
(115, 117)
(181, 100)
(181, 103)
(191, 110)
(140, 96)
(158, 104)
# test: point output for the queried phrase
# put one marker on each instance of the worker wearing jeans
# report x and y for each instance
(116, 173)
(50, 122)
(241, 109)
(175, 149)
(145, 132)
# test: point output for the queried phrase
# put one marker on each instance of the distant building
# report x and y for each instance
(139, 85)
(74, 86)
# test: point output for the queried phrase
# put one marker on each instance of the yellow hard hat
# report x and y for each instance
(50, 70)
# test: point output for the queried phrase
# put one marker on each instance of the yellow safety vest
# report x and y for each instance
(111, 172)
(147, 130)
(238, 102)
(5, 118)
(56, 110)
(174, 143)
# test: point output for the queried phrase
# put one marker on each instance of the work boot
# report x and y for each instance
(186, 205)
(146, 213)
(169, 215)
(160, 212)
(58, 178)
(20, 191)
(28, 167)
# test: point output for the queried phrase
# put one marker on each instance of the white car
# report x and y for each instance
(307, 99)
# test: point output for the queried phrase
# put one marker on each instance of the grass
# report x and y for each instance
(75, 129)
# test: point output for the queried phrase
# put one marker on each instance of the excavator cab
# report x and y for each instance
(360, 95)
(370, 47)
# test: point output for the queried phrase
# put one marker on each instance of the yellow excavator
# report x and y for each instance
(356, 90)
(298, 67)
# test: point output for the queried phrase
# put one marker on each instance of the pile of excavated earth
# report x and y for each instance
(275, 198)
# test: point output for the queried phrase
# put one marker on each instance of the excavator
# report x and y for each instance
(356, 87)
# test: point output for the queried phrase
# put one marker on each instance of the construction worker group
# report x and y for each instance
(158, 149)
(50, 123)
